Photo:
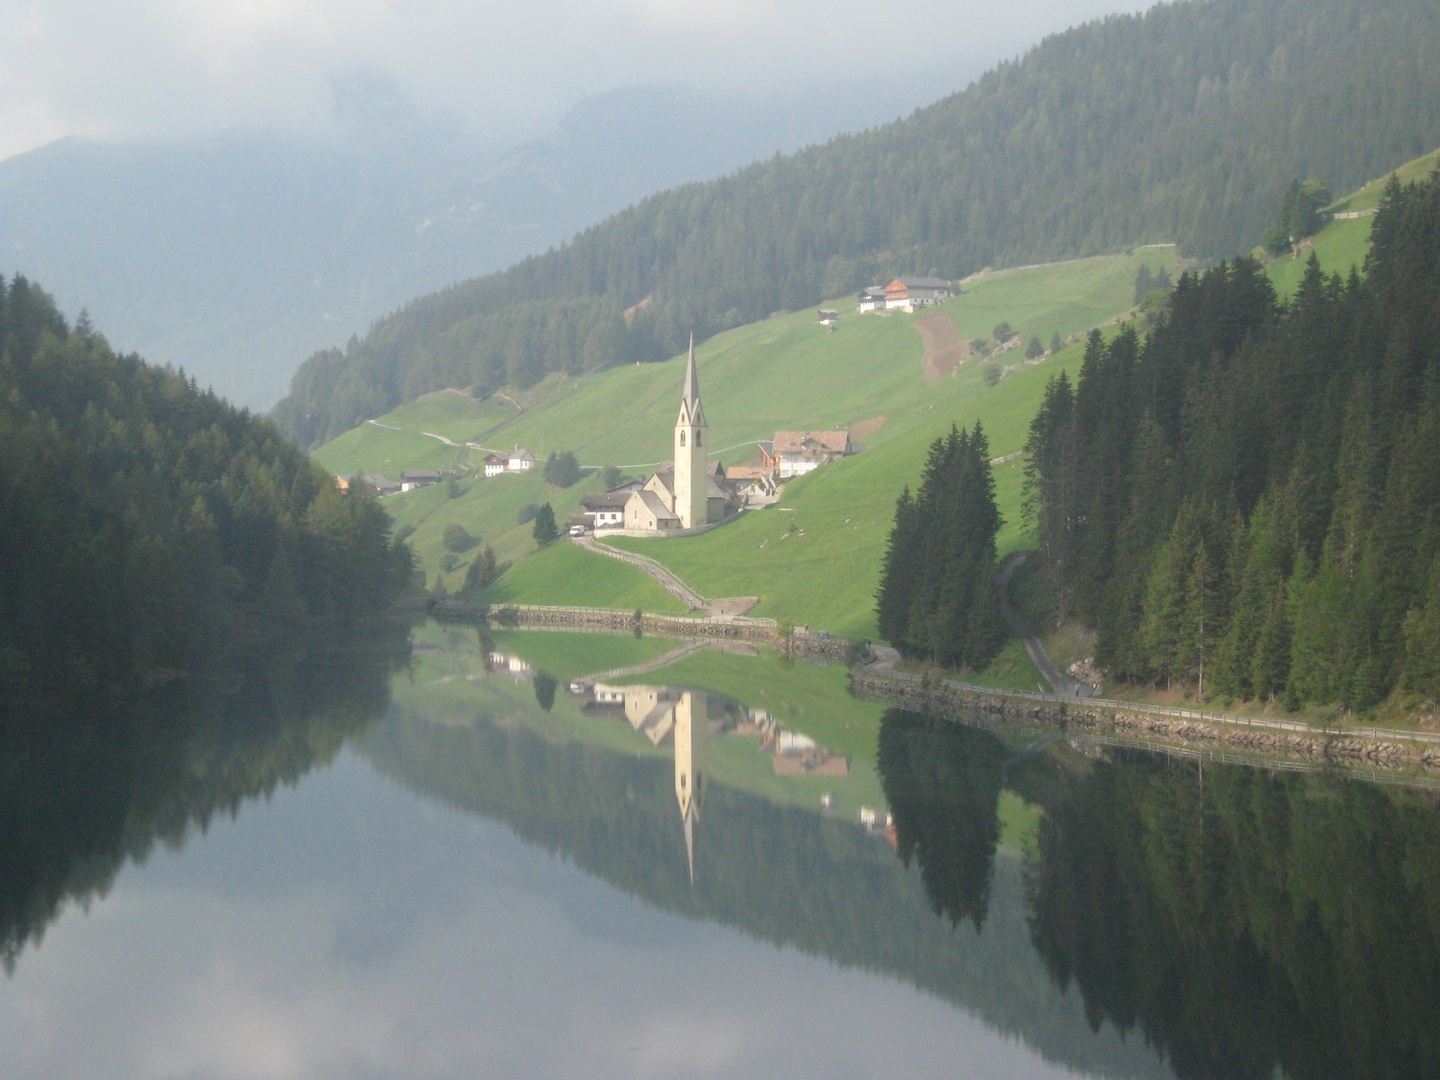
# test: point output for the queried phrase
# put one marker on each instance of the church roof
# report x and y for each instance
(655, 505)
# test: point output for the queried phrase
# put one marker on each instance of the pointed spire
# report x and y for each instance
(690, 845)
(692, 381)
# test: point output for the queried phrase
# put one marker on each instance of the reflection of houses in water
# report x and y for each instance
(798, 755)
(509, 662)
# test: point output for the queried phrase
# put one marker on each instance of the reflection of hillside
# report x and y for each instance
(97, 779)
(782, 875)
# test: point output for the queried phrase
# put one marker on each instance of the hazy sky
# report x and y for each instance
(174, 67)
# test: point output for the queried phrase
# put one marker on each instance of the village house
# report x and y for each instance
(605, 509)
(871, 298)
(377, 483)
(410, 479)
(800, 452)
(518, 460)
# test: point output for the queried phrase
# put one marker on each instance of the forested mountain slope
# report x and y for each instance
(150, 531)
(1183, 124)
(1246, 501)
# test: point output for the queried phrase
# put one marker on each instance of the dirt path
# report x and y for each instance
(671, 583)
(663, 660)
(943, 347)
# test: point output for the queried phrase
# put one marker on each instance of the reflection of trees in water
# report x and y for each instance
(780, 874)
(1246, 921)
(942, 781)
(91, 779)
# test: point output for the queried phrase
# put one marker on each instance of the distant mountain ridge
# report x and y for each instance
(236, 256)
(1183, 124)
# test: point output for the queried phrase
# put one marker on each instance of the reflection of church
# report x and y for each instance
(660, 713)
(688, 718)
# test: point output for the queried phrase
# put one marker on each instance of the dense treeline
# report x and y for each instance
(1184, 124)
(938, 595)
(147, 529)
(1247, 501)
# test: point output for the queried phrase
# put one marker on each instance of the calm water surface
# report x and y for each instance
(523, 862)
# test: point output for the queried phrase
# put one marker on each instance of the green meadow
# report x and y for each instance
(786, 372)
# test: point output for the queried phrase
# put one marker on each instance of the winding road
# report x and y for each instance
(1059, 683)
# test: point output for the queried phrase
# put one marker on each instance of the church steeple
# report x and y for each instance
(691, 412)
(692, 488)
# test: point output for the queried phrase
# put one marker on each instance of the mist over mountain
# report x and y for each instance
(1183, 125)
(235, 256)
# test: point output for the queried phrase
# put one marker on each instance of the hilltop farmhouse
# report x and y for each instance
(905, 294)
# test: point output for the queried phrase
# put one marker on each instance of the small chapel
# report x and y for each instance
(687, 492)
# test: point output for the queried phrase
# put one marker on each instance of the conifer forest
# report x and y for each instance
(1245, 501)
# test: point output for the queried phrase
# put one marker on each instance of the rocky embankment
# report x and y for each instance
(1335, 745)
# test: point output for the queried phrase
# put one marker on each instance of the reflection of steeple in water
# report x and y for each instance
(685, 775)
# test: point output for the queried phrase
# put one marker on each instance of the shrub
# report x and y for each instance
(457, 538)
(562, 470)
(526, 514)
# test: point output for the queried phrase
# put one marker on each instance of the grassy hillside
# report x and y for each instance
(784, 372)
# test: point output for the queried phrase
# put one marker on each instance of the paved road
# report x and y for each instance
(1059, 683)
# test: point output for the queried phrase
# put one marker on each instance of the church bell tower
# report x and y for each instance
(691, 479)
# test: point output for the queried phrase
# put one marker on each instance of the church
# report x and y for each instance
(689, 491)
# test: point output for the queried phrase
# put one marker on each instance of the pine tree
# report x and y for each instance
(545, 530)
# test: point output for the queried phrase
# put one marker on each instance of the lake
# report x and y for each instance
(559, 855)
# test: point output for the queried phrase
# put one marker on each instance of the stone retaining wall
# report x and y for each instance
(1386, 754)
(799, 644)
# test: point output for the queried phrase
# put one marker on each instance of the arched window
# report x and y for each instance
(682, 438)
(697, 438)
